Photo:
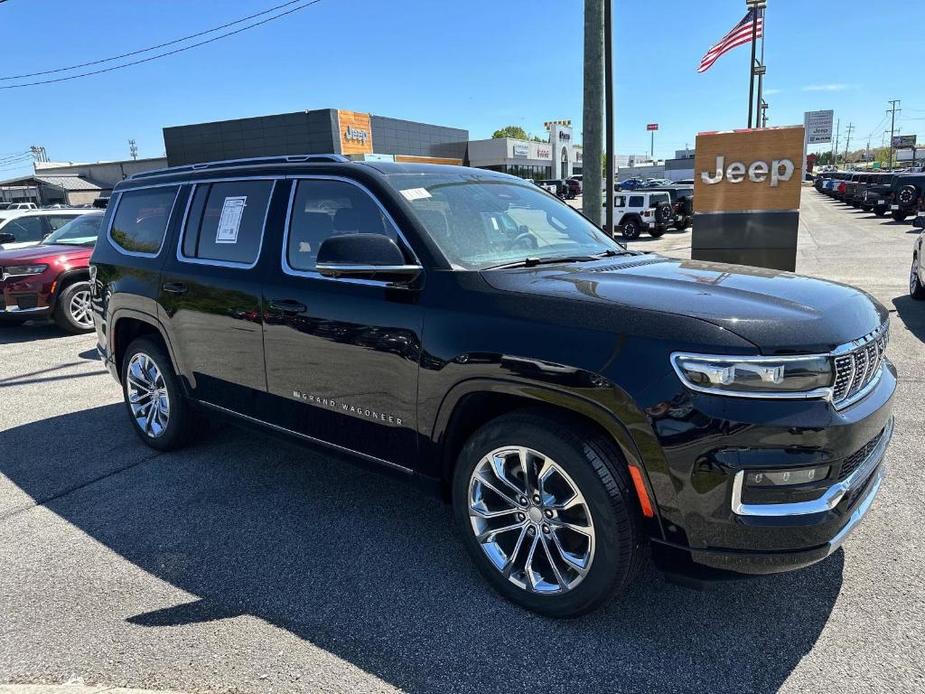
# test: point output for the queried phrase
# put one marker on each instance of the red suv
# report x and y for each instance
(53, 278)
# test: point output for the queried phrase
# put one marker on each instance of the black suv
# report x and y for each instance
(907, 190)
(575, 400)
(682, 203)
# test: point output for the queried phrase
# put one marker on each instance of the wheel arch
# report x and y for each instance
(67, 278)
(472, 403)
(127, 325)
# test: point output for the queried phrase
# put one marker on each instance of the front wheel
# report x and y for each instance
(547, 514)
(73, 311)
(916, 290)
(159, 413)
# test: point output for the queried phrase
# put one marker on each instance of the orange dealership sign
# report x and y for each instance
(356, 132)
(745, 170)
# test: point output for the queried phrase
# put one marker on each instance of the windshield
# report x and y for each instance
(80, 231)
(480, 223)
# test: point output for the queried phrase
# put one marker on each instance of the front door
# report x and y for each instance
(342, 355)
(210, 292)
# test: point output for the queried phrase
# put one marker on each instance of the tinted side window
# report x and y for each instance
(141, 219)
(25, 229)
(225, 221)
(635, 201)
(328, 208)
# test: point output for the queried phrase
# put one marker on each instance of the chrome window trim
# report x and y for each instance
(829, 499)
(115, 211)
(263, 227)
(314, 274)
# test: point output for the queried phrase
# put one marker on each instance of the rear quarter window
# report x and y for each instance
(140, 222)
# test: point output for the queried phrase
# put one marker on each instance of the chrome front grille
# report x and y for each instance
(858, 366)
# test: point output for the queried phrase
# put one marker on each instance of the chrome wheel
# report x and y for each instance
(531, 520)
(79, 308)
(147, 395)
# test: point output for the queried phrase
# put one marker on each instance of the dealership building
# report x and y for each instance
(560, 157)
(361, 136)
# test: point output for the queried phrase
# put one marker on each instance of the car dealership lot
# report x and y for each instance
(244, 564)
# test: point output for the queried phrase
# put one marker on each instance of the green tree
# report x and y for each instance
(514, 131)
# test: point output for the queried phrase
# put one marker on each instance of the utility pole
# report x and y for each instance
(133, 149)
(609, 153)
(835, 149)
(593, 111)
(892, 112)
(848, 141)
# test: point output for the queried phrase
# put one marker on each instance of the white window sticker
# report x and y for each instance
(416, 193)
(230, 221)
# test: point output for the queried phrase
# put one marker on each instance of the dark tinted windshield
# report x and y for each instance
(483, 222)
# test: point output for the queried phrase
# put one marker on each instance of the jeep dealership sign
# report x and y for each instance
(818, 126)
(747, 196)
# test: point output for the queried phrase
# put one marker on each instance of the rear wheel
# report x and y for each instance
(899, 215)
(159, 413)
(630, 229)
(547, 514)
(916, 290)
(880, 210)
(656, 232)
(73, 312)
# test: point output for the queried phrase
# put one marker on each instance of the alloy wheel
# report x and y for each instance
(147, 395)
(531, 520)
(79, 308)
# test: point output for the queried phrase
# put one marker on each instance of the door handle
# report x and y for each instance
(174, 287)
(287, 306)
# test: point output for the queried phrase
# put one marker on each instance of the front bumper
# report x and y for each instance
(708, 520)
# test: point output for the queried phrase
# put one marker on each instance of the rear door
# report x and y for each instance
(210, 290)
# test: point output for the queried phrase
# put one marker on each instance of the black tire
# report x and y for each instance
(899, 215)
(631, 229)
(596, 467)
(907, 195)
(180, 417)
(916, 290)
(663, 214)
(68, 315)
(880, 210)
(657, 232)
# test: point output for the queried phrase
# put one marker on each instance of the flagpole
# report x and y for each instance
(764, 32)
(752, 5)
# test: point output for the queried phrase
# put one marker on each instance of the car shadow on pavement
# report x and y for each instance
(33, 330)
(369, 569)
(912, 314)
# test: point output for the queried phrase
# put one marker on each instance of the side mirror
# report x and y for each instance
(364, 256)
(919, 222)
(6, 237)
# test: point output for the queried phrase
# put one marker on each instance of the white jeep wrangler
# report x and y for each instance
(636, 210)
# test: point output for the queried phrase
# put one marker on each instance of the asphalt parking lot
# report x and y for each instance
(245, 565)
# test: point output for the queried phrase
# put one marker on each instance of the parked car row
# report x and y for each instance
(899, 194)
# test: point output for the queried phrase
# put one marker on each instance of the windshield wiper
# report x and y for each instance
(533, 262)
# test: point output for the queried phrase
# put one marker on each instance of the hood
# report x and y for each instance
(779, 312)
(43, 253)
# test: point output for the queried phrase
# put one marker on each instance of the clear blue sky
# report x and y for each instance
(478, 64)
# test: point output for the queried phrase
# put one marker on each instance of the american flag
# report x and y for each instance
(739, 35)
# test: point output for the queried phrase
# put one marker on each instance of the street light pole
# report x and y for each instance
(592, 111)
(609, 110)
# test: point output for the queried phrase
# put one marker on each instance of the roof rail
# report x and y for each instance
(228, 163)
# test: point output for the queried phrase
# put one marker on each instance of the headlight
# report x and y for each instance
(769, 377)
(23, 270)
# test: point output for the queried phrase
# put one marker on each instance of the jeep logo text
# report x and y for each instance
(757, 172)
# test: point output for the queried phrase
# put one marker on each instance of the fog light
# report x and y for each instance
(784, 478)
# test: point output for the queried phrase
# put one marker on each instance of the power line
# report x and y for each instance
(166, 53)
(150, 48)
